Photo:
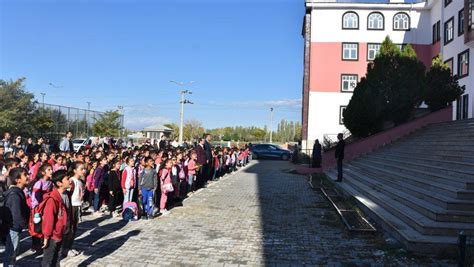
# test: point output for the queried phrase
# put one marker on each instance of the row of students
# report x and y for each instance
(103, 181)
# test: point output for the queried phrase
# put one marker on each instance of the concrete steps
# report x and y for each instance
(398, 203)
(410, 181)
(420, 188)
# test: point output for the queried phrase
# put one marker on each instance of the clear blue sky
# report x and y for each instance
(244, 56)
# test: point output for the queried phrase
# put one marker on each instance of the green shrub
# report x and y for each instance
(442, 88)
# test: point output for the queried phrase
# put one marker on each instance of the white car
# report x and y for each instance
(81, 142)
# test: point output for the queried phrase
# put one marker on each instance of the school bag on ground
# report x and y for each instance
(130, 211)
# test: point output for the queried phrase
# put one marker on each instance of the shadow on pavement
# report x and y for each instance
(107, 247)
(289, 214)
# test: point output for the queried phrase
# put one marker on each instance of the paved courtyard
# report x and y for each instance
(262, 215)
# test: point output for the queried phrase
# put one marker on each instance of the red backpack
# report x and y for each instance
(34, 226)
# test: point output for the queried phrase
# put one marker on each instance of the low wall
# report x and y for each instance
(373, 142)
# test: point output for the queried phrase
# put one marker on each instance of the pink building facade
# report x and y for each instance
(342, 37)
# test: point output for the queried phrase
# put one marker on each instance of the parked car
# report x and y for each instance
(270, 151)
(81, 142)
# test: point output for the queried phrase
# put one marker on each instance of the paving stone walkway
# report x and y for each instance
(262, 215)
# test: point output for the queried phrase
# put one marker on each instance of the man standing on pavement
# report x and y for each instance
(209, 158)
(66, 145)
(339, 156)
(201, 161)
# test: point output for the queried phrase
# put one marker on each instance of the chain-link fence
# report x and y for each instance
(77, 120)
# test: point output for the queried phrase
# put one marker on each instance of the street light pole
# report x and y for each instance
(121, 120)
(182, 102)
(43, 94)
(87, 117)
(271, 125)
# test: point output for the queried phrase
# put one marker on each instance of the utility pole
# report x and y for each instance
(182, 102)
(43, 94)
(87, 117)
(271, 125)
(121, 120)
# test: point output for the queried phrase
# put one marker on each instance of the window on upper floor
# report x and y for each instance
(350, 51)
(436, 32)
(348, 82)
(375, 21)
(461, 22)
(449, 31)
(447, 2)
(450, 64)
(401, 22)
(350, 20)
(372, 51)
(463, 64)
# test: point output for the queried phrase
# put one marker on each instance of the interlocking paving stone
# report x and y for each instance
(258, 216)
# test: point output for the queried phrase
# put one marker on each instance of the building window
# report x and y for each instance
(375, 21)
(459, 108)
(349, 82)
(465, 106)
(401, 22)
(350, 51)
(350, 20)
(447, 2)
(450, 63)
(463, 64)
(449, 31)
(341, 114)
(401, 46)
(436, 32)
(461, 22)
(372, 51)
(462, 106)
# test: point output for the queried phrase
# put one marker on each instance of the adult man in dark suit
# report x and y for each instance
(339, 156)
(209, 158)
(201, 160)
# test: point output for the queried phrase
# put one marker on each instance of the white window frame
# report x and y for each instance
(353, 49)
(350, 18)
(376, 21)
(350, 80)
(369, 49)
(401, 22)
(341, 114)
(449, 31)
(461, 62)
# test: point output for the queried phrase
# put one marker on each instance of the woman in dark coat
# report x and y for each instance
(316, 163)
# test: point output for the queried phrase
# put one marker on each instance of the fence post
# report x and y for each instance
(462, 249)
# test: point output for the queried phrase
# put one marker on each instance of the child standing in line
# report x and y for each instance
(115, 188)
(181, 176)
(192, 171)
(41, 186)
(148, 185)
(90, 183)
(17, 214)
(175, 178)
(99, 175)
(76, 192)
(128, 180)
(166, 186)
(56, 219)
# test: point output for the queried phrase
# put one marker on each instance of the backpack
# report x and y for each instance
(36, 219)
(130, 211)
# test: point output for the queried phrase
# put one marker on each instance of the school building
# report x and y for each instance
(343, 36)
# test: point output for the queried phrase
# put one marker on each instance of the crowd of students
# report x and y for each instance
(47, 192)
